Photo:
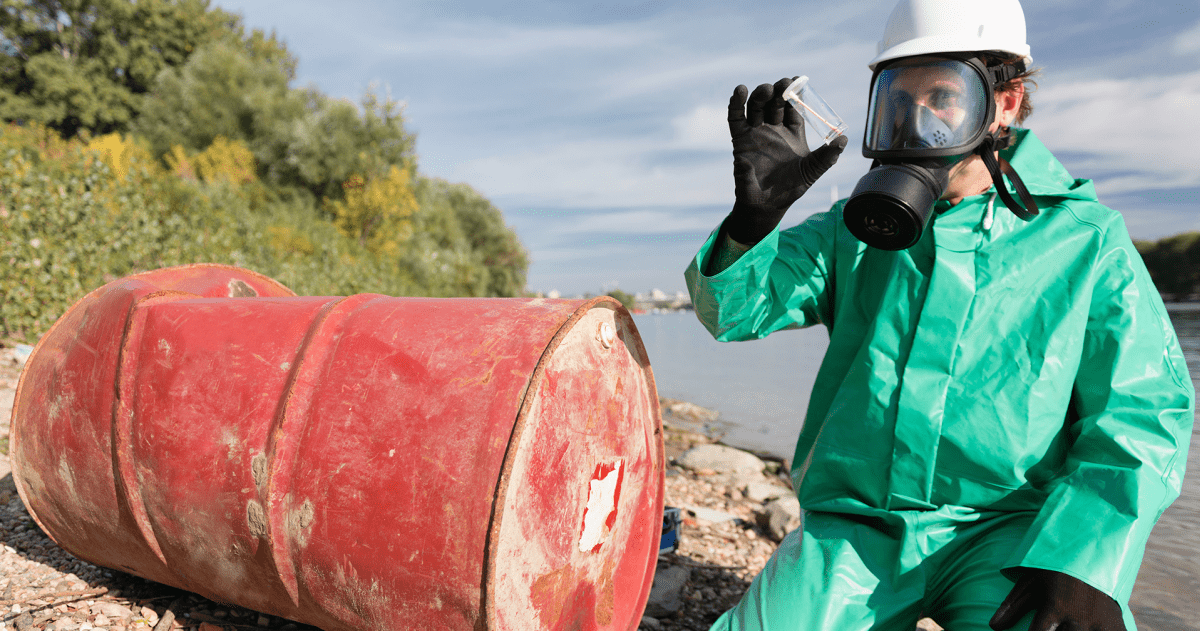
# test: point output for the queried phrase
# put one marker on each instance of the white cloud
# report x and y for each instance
(500, 44)
(682, 158)
(597, 174)
(1188, 42)
(1139, 127)
(704, 127)
(637, 221)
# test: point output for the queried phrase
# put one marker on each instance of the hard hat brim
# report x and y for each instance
(939, 44)
(945, 43)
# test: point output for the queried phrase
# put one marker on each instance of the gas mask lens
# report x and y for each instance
(926, 104)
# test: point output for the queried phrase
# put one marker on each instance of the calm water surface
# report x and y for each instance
(761, 390)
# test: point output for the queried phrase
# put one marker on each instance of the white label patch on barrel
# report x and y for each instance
(601, 504)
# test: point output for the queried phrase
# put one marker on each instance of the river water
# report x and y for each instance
(761, 389)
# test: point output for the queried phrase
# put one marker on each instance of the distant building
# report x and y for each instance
(658, 299)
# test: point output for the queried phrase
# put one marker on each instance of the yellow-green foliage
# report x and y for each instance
(222, 161)
(376, 211)
(69, 222)
(287, 241)
(226, 161)
(180, 163)
(120, 152)
(75, 215)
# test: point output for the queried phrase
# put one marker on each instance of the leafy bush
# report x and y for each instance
(376, 210)
(626, 300)
(1173, 263)
(69, 222)
(485, 258)
(76, 215)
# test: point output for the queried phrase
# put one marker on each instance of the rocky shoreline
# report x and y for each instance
(735, 507)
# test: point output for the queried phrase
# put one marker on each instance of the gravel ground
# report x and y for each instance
(722, 558)
(44, 587)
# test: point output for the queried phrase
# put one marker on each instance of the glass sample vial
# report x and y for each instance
(818, 116)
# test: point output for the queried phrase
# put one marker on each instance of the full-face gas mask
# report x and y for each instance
(926, 114)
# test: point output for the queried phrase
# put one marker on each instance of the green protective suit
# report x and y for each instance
(1004, 394)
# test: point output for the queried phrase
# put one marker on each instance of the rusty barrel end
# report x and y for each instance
(574, 540)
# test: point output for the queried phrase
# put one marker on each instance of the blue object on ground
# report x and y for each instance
(670, 530)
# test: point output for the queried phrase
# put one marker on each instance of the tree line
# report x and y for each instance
(1174, 264)
(146, 133)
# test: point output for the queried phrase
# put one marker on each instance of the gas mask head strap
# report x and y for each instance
(1003, 73)
(1028, 208)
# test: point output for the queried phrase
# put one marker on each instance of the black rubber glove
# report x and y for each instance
(772, 166)
(1062, 602)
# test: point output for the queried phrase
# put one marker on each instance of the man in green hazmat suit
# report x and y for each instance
(1003, 411)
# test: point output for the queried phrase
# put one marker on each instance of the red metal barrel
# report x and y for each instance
(353, 463)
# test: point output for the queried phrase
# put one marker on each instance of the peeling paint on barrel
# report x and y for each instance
(256, 519)
(299, 521)
(258, 468)
(398, 459)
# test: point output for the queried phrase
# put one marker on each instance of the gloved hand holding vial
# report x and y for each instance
(772, 163)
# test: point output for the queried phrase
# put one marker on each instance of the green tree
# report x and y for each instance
(334, 139)
(458, 222)
(629, 302)
(179, 138)
(1173, 263)
(224, 90)
(301, 139)
(84, 65)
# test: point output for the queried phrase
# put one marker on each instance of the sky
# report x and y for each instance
(598, 128)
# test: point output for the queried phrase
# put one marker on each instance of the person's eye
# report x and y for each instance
(900, 100)
(942, 99)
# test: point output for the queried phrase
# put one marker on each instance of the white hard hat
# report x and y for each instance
(922, 27)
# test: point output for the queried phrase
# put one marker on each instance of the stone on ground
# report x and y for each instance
(763, 491)
(710, 514)
(720, 459)
(666, 595)
(689, 412)
(779, 517)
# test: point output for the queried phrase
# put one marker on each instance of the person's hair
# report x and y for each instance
(1025, 78)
